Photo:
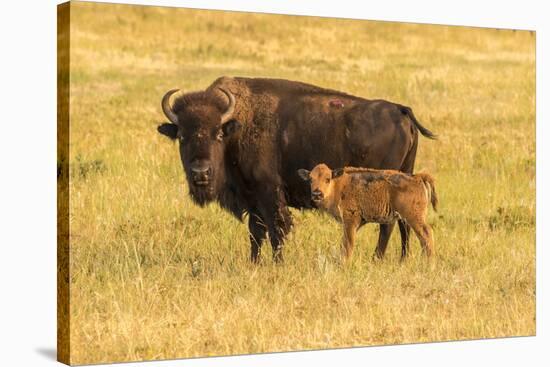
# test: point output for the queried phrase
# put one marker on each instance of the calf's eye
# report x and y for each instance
(327, 180)
(219, 135)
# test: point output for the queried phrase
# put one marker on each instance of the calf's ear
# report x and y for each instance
(337, 172)
(169, 130)
(304, 174)
(231, 127)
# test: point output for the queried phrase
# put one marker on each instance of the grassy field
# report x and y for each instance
(155, 277)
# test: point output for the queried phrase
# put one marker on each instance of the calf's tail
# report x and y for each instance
(429, 182)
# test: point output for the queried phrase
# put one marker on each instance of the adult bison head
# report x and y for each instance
(203, 124)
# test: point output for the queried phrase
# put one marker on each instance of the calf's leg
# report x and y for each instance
(348, 242)
(425, 236)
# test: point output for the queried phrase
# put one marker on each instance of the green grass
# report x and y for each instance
(153, 276)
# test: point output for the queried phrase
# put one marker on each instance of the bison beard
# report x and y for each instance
(202, 195)
(256, 133)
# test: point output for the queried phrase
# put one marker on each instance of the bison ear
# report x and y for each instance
(304, 174)
(337, 172)
(169, 130)
(231, 127)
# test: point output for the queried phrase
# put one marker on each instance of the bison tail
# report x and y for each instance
(427, 133)
(429, 183)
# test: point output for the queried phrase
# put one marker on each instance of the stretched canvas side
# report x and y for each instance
(63, 276)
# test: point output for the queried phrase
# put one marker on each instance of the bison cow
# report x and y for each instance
(242, 140)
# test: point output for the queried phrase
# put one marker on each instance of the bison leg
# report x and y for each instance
(407, 167)
(280, 227)
(383, 238)
(257, 235)
(405, 230)
(278, 220)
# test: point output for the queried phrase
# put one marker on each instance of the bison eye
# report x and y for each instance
(219, 135)
(180, 138)
(327, 180)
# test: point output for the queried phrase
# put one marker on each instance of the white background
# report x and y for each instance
(28, 182)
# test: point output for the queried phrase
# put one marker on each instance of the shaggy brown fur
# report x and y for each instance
(356, 196)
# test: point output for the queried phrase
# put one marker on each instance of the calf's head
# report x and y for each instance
(321, 180)
(203, 124)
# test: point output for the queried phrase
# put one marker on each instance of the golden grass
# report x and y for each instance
(155, 277)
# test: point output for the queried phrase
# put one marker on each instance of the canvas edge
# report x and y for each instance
(63, 254)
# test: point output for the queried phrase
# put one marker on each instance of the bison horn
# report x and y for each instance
(229, 113)
(167, 106)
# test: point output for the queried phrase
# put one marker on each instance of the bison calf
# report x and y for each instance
(356, 196)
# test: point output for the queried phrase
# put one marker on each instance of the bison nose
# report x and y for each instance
(201, 175)
(317, 195)
(201, 170)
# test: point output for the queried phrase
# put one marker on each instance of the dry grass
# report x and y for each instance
(155, 277)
